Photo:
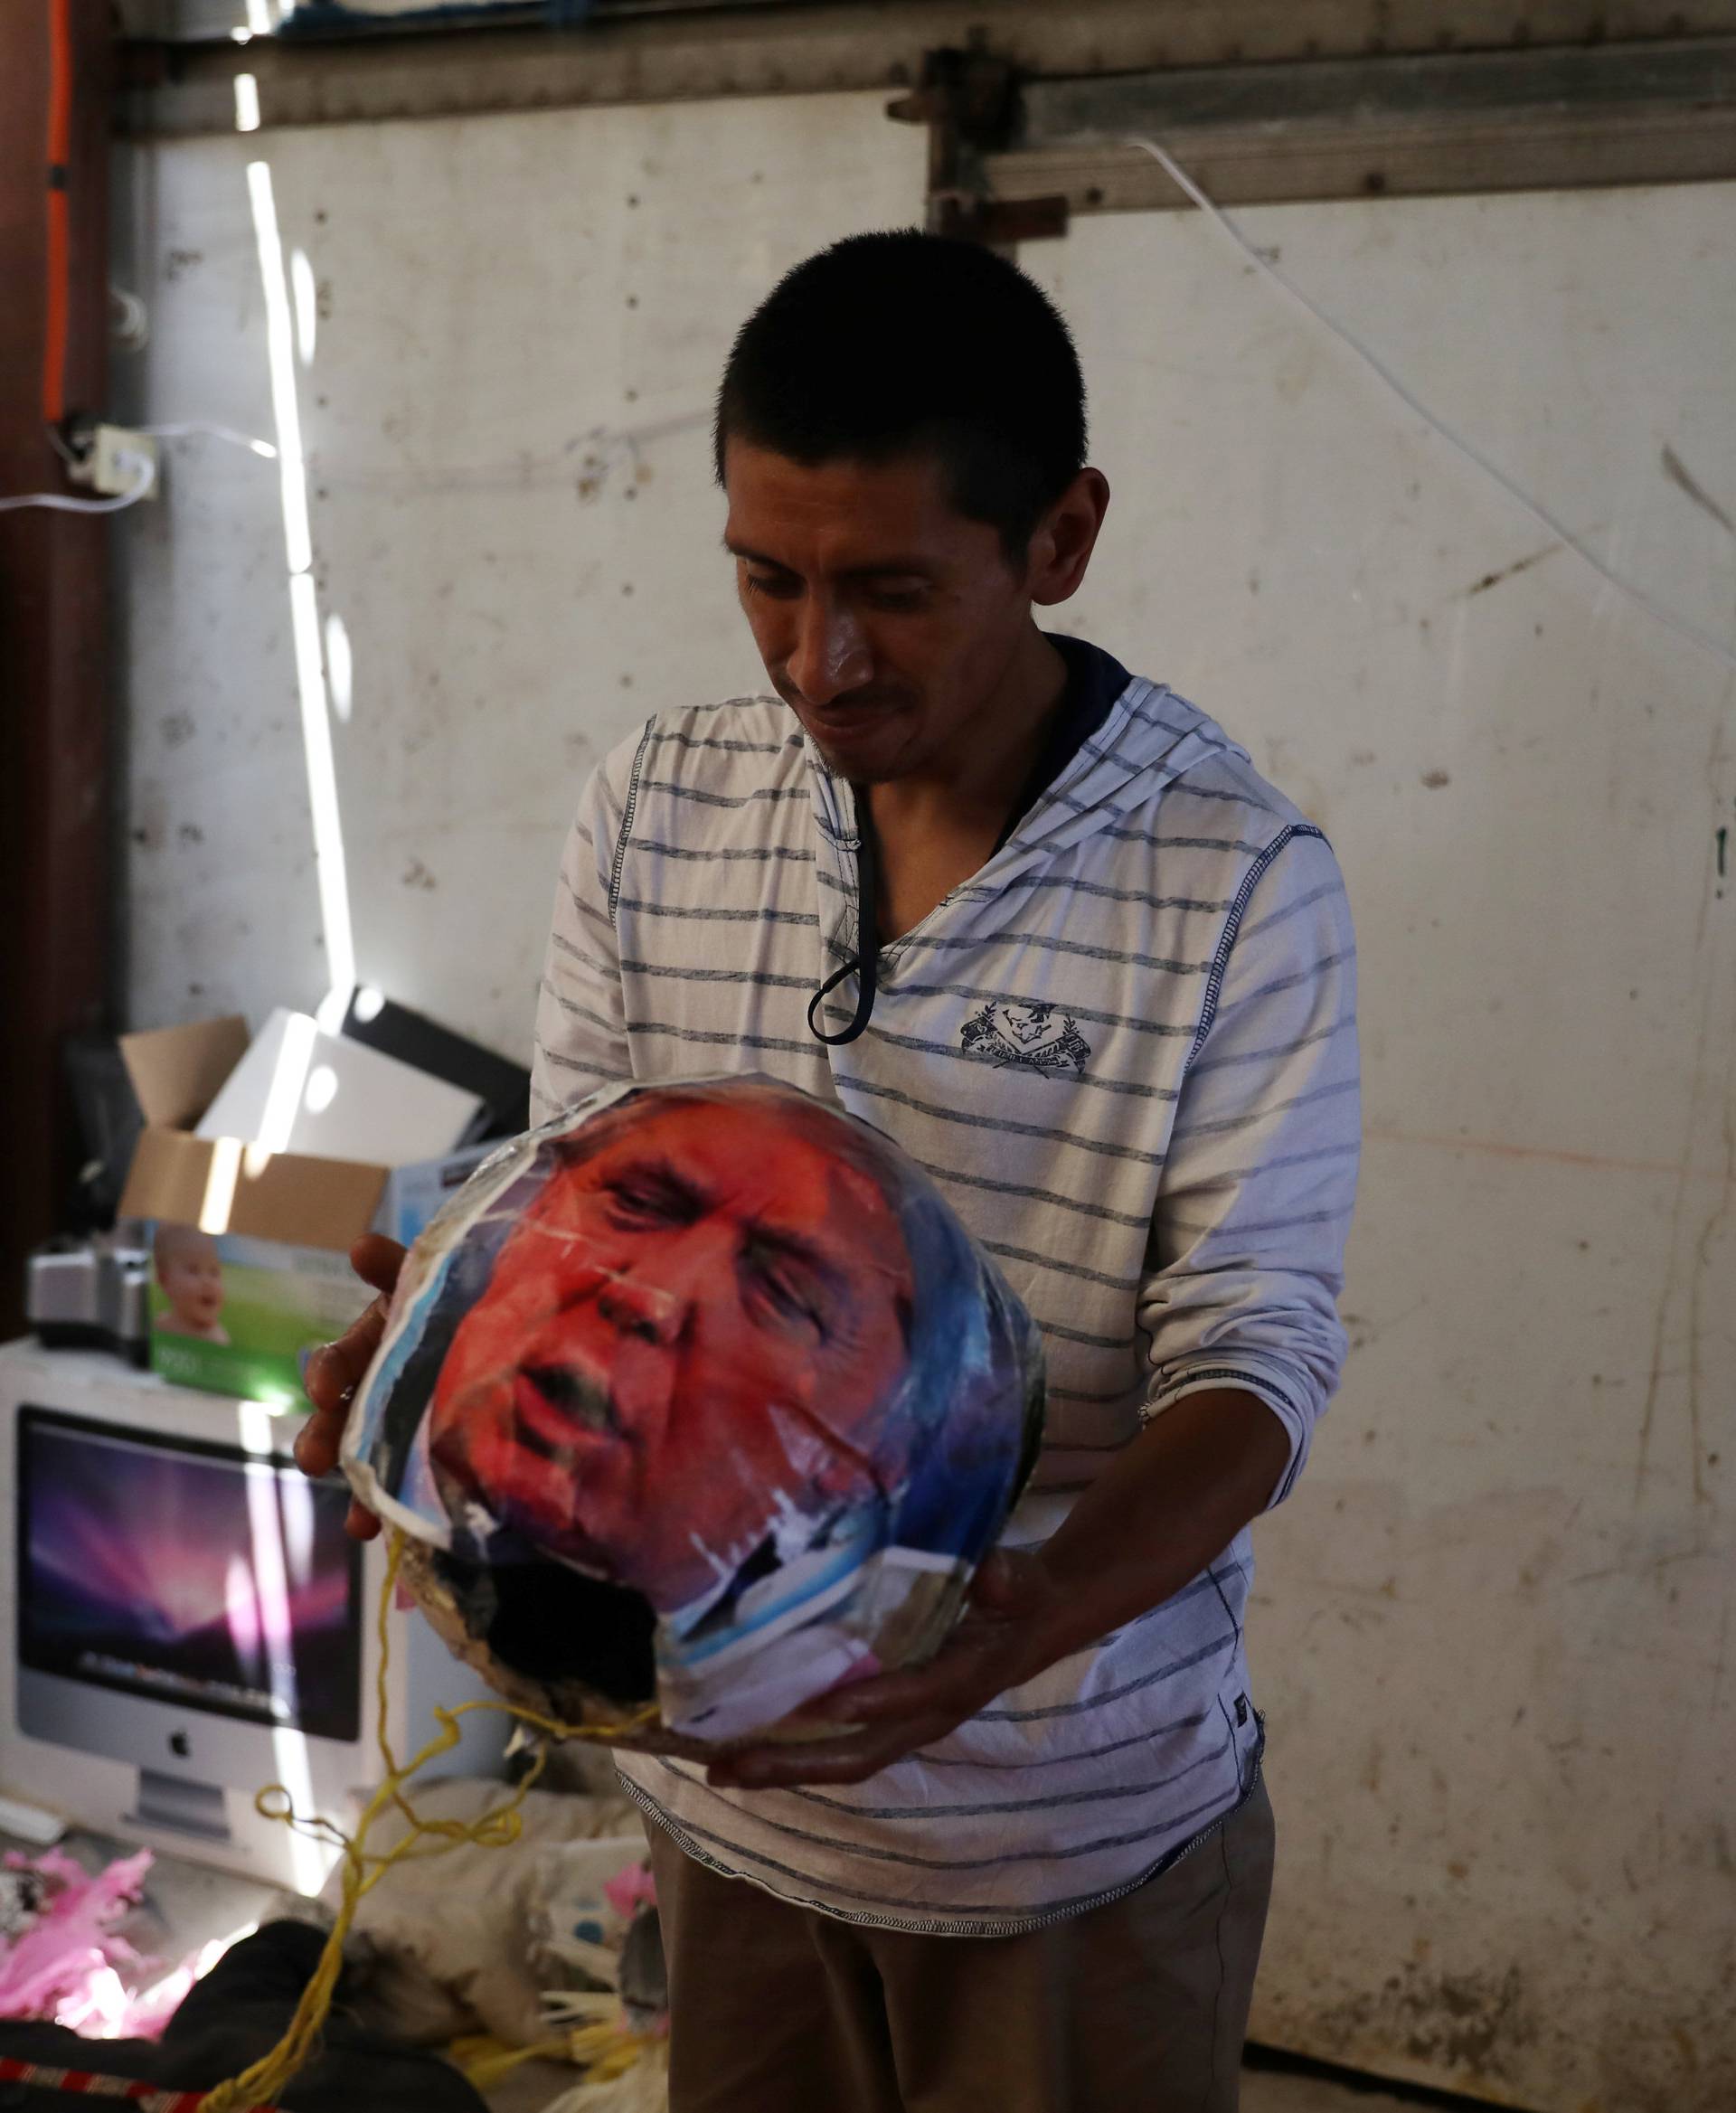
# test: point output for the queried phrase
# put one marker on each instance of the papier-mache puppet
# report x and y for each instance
(700, 1393)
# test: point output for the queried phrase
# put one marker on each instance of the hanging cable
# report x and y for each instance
(186, 428)
(58, 298)
(1682, 626)
(59, 503)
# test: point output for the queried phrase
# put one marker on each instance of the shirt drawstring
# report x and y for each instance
(865, 962)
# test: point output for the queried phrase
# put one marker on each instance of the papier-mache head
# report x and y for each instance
(701, 1391)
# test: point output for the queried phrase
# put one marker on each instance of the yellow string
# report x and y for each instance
(602, 2050)
(496, 1828)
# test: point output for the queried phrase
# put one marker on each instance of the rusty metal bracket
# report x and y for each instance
(970, 100)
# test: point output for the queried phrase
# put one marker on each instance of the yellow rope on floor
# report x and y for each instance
(498, 1828)
(604, 2049)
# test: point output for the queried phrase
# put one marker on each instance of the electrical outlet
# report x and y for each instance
(120, 458)
(116, 460)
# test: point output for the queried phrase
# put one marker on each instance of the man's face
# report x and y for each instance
(192, 1282)
(685, 1329)
(887, 621)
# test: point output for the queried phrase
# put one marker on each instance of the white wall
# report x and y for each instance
(1493, 1627)
(1493, 1631)
(495, 298)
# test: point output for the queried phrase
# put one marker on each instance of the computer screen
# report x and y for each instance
(189, 1573)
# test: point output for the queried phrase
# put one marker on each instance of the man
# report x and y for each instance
(1042, 923)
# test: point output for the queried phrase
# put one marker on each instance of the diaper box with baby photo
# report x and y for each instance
(240, 1316)
(249, 1233)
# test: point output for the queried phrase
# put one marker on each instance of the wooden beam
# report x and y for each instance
(658, 56)
(1390, 126)
(55, 749)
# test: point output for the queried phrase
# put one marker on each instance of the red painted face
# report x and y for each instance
(695, 1321)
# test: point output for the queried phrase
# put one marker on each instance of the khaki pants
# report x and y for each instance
(1136, 2007)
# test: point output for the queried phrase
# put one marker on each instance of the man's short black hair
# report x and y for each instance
(892, 344)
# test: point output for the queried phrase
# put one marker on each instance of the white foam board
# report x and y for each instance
(299, 1089)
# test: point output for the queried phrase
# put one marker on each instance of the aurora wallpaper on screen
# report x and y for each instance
(193, 1575)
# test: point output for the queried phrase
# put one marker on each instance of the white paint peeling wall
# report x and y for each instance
(1493, 1626)
(1493, 1630)
(490, 306)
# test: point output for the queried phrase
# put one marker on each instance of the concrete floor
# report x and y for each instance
(1261, 2093)
(1264, 2092)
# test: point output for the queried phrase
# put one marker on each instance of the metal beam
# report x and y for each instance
(1394, 127)
(55, 846)
(656, 57)
(192, 21)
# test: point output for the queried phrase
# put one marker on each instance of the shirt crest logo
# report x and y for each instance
(1032, 1038)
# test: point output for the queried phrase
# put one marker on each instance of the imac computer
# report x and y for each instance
(191, 1622)
(184, 1600)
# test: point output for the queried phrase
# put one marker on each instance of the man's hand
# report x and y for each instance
(1011, 1630)
(336, 1370)
(1171, 1503)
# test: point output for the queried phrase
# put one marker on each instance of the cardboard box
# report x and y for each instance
(238, 1310)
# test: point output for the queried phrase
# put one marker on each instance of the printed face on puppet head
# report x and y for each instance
(689, 1331)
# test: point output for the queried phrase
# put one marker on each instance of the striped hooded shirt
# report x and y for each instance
(1126, 1051)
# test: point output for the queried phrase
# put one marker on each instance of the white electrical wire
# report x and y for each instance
(193, 425)
(59, 503)
(1654, 608)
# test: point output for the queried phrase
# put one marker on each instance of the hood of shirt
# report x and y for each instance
(1150, 739)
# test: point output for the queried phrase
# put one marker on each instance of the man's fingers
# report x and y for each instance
(892, 1695)
(829, 1760)
(377, 1260)
(316, 1443)
(1007, 1584)
(335, 1370)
